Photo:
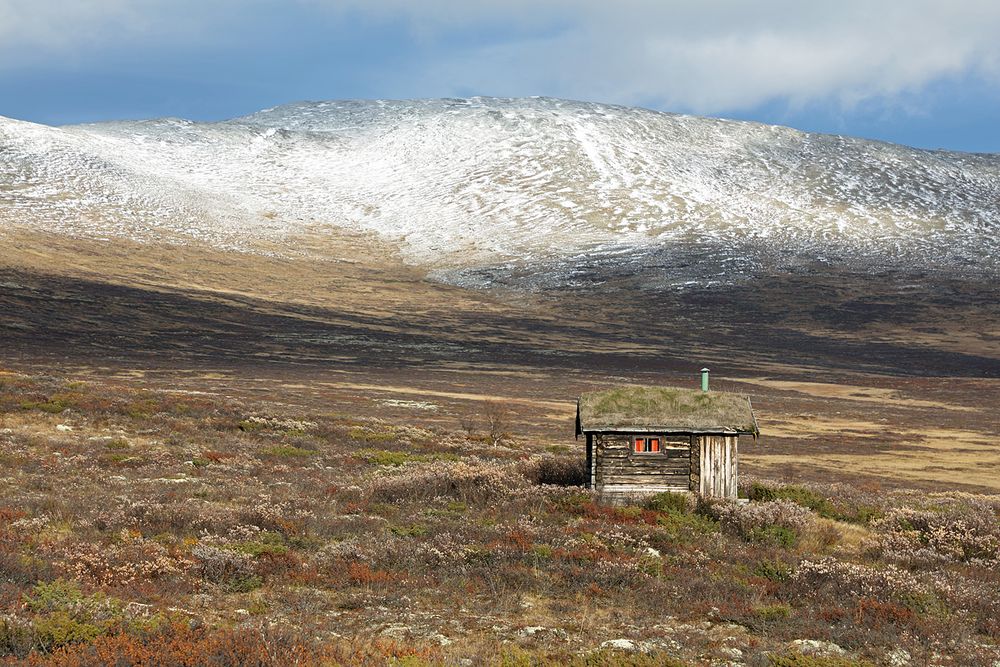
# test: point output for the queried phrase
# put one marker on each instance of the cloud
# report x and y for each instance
(33, 32)
(35, 26)
(728, 55)
(708, 57)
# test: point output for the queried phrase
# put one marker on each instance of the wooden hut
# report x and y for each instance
(645, 440)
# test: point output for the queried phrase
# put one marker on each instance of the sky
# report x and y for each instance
(919, 72)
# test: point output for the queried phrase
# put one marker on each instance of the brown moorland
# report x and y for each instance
(329, 459)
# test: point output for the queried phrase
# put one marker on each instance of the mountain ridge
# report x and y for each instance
(479, 188)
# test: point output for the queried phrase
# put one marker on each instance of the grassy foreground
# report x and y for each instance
(178, 528)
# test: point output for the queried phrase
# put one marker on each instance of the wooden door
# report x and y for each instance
(719, 465)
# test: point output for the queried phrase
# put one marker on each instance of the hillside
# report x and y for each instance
(530, 191)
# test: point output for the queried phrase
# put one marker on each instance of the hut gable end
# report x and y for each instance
(643, 440)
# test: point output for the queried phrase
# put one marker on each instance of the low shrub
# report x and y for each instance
(179, 644)
(413, 530)
(276, 424)
(213, 456)
(575, 502)
(385, 457)
(17, 637)
(682, 528)
(776, 522)
(60, 628)
(61, 616)
(470, 482)
(61, 595)
(773, 570)
(143, 408)
(53, 405)
(812, 500)
(361, 573)
(839, 579)
(777, 535)
(117, 444)
(129, 560)
(556, 470)
(230, 569)
(967, 533)
(800, 660)
(373, 434)
(676, 503)
(382, 457)
(21, 568)
(288, 451)
(267, 543)
(514, 657)
(772, 613)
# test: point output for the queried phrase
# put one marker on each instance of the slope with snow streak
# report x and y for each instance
(469, 185)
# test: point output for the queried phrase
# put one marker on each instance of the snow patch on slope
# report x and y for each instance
(486, 185)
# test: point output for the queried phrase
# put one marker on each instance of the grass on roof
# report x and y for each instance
(665, 407)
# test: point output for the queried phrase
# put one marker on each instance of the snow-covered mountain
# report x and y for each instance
(467, 186)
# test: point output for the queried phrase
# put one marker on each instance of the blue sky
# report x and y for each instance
(918, 72)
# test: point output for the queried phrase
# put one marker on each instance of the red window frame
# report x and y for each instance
(646, 444)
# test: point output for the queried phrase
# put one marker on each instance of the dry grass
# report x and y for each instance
(171, 528)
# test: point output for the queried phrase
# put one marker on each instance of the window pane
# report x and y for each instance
(654, 444)
(640, 444)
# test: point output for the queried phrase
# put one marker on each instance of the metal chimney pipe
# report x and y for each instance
(704, 379)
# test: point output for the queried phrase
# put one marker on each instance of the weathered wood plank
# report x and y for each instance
(645, 473)
(669, 481)
(657, 488)
(647, 461)
(656, 464)
(641, 473)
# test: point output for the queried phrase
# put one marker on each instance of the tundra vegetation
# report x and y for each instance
(170, 528)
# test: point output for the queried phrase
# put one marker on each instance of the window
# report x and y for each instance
(646, 445)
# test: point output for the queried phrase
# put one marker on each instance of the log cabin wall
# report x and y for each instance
(705, 464)
(718, 465)
(700, 457)
(694, 478)
(591, 481)
(620, 473)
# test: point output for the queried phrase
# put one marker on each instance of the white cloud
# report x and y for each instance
(48, 26)
(728, 55)
(40, 31)
(709, 56)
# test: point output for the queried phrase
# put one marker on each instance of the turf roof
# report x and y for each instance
(665, 408)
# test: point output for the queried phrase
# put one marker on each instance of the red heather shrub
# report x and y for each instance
(875, 613)
(519, 539)
(278, 563)
(9, 515)
(181, 646)
(363, 574)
